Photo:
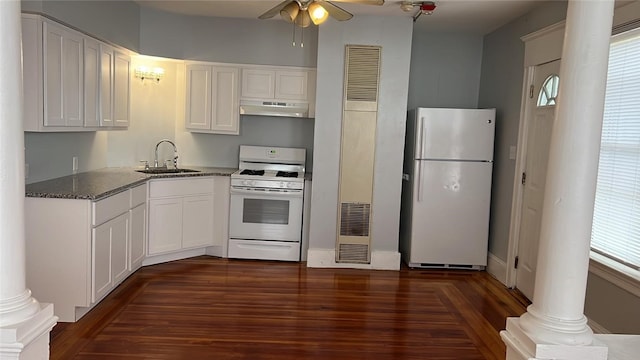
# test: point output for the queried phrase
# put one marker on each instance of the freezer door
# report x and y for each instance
(455, 134)
(450, 215)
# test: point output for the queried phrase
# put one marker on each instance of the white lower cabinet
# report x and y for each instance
(138, 235)
(181, 213)
(165, 225)
(78, 251)
(110, 264)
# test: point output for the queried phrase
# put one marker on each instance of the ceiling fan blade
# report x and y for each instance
(364, 2)
(275, 10)
(334, 11)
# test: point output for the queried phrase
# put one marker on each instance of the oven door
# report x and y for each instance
(266, 214)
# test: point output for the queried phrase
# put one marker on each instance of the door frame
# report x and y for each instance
(541, 47)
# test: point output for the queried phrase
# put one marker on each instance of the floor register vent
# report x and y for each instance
(357, 153)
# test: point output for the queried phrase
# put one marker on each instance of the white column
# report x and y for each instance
(23, 321)
(554, 325)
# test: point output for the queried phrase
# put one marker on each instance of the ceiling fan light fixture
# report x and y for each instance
(317, 13)
(290, 12)
(303, 19)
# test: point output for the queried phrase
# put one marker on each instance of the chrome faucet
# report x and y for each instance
(175, 153)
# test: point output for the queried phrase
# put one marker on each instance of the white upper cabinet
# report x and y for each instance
(291, 85)
(121, 88)
(91, 83)
(212, 103)
(106, 85)
(265, 84)
(63, 68)
(259, 84)
(72, 82)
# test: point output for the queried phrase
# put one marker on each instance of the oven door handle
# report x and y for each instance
(278, 193)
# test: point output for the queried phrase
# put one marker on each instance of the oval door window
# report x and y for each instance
(549, 91)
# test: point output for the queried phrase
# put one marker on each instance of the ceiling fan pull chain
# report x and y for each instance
(293, 42)
(301, 37)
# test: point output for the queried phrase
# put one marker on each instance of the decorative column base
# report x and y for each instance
(28, 340)
(524, 346)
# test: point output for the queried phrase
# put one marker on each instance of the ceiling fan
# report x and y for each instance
(304, 12)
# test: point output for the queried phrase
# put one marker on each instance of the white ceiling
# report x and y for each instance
(479, 16)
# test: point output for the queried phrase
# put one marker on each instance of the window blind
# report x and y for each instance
(616, 221)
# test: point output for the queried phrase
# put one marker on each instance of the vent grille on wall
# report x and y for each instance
(362, 74)
(357, 153)
(354, 219)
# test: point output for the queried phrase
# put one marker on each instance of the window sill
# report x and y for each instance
(622, 276)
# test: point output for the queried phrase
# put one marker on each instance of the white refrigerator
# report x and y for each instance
(446, 188)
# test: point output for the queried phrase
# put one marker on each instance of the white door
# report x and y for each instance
(541, 116)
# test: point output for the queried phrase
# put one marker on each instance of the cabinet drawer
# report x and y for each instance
(110, 207)
(180, 187)
(138, 195)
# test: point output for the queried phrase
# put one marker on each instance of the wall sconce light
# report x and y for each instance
(144, 72)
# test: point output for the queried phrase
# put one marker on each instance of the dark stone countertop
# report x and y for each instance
(98, 184)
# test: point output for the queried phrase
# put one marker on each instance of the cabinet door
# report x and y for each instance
(91, 83)
(121, 89)
(197, 221)
(291, 85)
(106, 85)
(198, 101)
(258, 84)
(165, 225)
(225, 104)
(137, 239)
(120, 248)
(101, 278)
(63, 67)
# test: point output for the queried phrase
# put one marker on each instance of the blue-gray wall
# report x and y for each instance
(266, 42)
(117, 22)
(445, 69)
(501, 88)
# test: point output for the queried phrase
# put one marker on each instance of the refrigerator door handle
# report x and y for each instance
(419, 140)
(419, 181)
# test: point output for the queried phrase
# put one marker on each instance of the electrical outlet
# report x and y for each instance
(74, 167)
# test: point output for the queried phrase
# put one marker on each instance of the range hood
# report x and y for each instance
(274, 108)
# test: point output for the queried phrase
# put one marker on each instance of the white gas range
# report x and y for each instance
(266, 204)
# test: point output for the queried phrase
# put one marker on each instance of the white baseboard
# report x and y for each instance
(380, 260)
(597, 328)
(152, 260)
(497, 268)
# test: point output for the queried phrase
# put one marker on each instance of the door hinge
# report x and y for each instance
(524, 178)
(515, 263)
(531, 92)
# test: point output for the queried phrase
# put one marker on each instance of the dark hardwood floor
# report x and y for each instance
(210, 308)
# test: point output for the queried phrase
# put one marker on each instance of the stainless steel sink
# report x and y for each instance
(166, 171)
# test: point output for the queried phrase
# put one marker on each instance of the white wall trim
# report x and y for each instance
(380, 260)
(497, 268)
(518, 189)
(597, 328)
(616, 273)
